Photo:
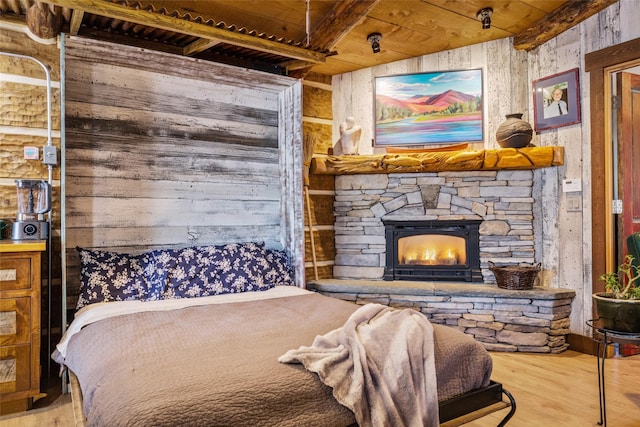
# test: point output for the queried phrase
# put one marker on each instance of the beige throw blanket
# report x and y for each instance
(380, 365)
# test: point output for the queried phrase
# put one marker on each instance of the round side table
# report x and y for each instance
(607, 337)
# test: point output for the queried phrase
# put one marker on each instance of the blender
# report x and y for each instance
(34, 200)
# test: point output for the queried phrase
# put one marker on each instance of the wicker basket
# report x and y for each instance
(518, 277)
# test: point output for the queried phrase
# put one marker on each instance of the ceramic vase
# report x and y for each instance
(514, 132)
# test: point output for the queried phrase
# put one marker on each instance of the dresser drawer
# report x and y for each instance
(15, 272)
(15, 321)
(19, 324)
(15, 369)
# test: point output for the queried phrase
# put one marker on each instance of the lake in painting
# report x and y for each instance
(410, 132)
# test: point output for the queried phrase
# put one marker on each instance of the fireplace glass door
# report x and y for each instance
(432, 250)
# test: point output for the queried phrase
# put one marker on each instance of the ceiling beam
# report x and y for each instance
(335, 24)
(339, 21)
(199, 46)
(92, 33)
(76, 22)
(560, 20)
(182, 26)
(294, 65)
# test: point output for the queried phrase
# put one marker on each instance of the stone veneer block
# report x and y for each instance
(360, 272)
(358, 182)
(534, 321)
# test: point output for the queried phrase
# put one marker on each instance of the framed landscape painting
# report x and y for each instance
(442, 107)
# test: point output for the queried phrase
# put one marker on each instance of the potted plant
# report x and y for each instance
(618, 308)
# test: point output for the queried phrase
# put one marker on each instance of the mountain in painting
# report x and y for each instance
(450, 97)
(421, 104)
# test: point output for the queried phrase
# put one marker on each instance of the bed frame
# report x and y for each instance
(476, 404)
(453, 412)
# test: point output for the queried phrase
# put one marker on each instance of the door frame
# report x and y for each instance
(601, 65)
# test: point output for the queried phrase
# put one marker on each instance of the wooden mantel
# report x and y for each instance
(440, 161)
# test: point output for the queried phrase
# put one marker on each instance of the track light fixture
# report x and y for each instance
(484, 15)
(374, 39)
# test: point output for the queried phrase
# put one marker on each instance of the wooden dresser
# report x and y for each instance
(19, 324)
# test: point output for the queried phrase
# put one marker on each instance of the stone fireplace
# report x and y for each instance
(500, 202)
(370, 196)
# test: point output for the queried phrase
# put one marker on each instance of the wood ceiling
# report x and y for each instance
(274, 35)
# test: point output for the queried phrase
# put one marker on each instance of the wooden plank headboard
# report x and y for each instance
(167, 151)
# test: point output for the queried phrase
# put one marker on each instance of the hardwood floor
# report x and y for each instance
(58, 413)
(550, 390)
(562, 390)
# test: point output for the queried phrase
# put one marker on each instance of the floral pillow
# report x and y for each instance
(243, 266)
(110, 276)
(213, 270)
(279, 270)
(189, 272)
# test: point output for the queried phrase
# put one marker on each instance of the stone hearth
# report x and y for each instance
(534, 321)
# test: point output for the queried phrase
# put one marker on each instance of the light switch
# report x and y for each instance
(574, 202)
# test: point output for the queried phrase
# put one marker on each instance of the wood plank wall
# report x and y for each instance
(165, 151)
(318, 122)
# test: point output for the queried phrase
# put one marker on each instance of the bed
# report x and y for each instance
(145, 354)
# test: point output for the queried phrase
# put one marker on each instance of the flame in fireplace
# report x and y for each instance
(451, 256)
(432, 250)
(430, 254)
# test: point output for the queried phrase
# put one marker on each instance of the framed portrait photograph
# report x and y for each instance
(441, 107)
(556, 100)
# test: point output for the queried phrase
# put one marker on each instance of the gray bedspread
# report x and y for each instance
(217, 365)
